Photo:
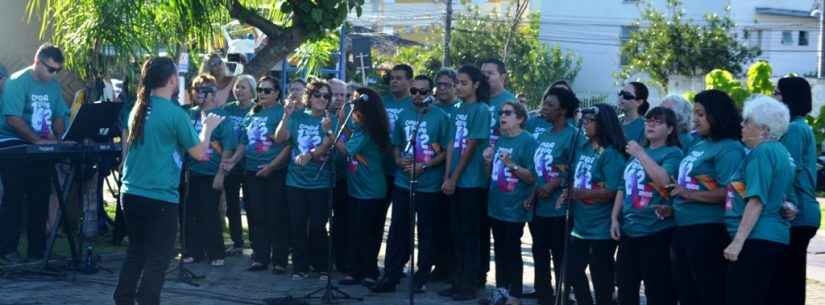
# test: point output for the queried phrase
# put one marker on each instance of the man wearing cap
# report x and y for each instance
(32, 111)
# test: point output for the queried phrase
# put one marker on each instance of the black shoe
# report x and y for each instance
(464, 295)
(419, 282)
(439, 276)
(530, 295)
(449, 292)
(384, 285)
(256, 267)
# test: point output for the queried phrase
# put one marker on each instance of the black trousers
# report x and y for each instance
(443, 254)
(339, 229)
(204, 234)
(380, 221)
(598, 254)
(699, 264)
(509, 265)
(27, 188)
(232, 189)
(647, 259)
(749, 277)
(398, 241)
(788, 284)
(363, 215)
(548, 241)
(485, 231)
(308, 214)
(152, 227)
(465, 210)
(266, 196)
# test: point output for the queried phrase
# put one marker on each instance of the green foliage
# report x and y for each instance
(759, 78)
(531, 65)
(127, 30)
(689, 95)
(669, 44)
(818, 126)
(314, 55)
(725, 81)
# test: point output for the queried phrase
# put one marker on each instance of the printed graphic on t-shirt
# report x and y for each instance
(308, 138)
(543, 161)
(537, 132)
(640, 192)
(690, 182)
(733, 189)
(423, 150)
(392, 115)
(258, 135)
(501, 174)
(461, 132)
(237, 125)
(584, 174)
(41, 121)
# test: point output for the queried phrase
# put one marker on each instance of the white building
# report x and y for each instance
(594, 29)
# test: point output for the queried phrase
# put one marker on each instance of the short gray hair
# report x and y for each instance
(250, 81)
(683, 110)
(768, 113)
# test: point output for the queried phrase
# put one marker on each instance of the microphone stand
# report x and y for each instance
(330, 292)
(185, 275)
(561, 284)
(413, 181)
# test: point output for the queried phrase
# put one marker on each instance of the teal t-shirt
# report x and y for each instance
(550, 163)
(258, 129)
(471, 123)
(449, 109)
(537, 125)
(38, 103)
(507, 192)
(394, 107)
(306, 134)
(595, 170)
(800, 142)
(707, 166)
(687, 139)
(365, 172)
(494, 105)
(635, 130)
(432, 139)
(641, 195)
(767, 174)
(153, 164)
(223, 138)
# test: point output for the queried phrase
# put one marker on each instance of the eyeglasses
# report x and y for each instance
(318, 94)
(204, 90)
(626, 95)
(51, 69)
(654, 121)
(415, 91)
(506, 112)
(266, 91)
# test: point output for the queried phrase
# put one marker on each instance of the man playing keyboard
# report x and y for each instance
(33, 110)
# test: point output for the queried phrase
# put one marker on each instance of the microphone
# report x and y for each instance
(361, 98)
(429, 100)
(590, 110)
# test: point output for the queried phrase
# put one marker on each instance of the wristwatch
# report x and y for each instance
(423, 166)
(514, 167)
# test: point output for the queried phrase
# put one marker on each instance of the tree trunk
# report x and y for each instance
(448, 28)
(280, 40)
(520, 8)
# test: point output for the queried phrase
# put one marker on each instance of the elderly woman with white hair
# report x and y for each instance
(684, 114)
(755, 197)
(235, 112)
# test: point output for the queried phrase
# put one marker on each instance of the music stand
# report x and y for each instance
(94, 123)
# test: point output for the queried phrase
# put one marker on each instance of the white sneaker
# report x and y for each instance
(217, 263)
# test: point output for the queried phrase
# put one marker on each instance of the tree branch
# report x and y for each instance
(280, 40)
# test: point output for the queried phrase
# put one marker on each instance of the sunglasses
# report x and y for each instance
(415, 91)
(51, 69)
(266, 91)
(506, 112)
(627, 95)
(205, 90)
(318, 94)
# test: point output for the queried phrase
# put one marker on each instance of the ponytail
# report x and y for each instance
(154, 74)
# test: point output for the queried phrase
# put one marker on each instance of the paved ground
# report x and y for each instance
(231, 284)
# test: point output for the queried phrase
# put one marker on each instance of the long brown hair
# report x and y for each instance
(154, 74)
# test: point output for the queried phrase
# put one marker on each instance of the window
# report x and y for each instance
(627, 30)
(787, 38)
(746, 34)
(803, 38)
